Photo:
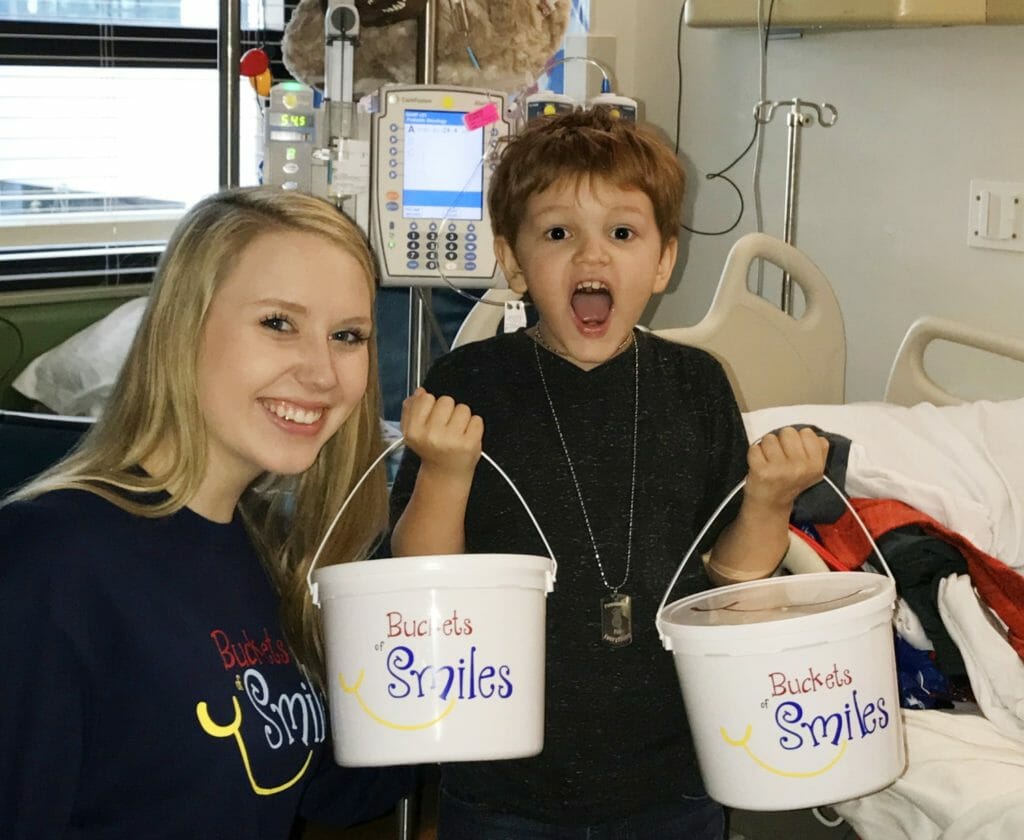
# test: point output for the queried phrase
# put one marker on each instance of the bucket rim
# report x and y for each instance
(387, 566)
(877, 602)
(419, 573)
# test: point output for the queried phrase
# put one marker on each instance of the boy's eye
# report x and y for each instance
(277, 323)
(622, 233)
(557, 233)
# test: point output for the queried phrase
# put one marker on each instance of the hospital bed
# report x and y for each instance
(959, 462)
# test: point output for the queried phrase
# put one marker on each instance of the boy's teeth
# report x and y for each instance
(303, 416)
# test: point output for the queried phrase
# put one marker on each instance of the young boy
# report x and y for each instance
(623, 444)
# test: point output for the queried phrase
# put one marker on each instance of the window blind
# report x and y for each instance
(109, 129)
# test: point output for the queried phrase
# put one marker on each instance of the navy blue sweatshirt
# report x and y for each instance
(147, 688)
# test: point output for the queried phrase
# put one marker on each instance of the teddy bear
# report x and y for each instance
(494, 44)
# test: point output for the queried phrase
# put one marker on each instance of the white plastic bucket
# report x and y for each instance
(790, 687)
(437, 658)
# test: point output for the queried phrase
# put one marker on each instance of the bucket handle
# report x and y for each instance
(666, 642)
(314, 587)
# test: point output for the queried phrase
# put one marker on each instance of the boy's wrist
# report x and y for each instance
(446, 478)
(722, 574)
(761, 509)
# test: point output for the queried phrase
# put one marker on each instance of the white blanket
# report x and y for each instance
(994, 668)
(962, 465)
(964, 781)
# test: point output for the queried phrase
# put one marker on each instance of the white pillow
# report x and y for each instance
(962, 465)
(77, 376)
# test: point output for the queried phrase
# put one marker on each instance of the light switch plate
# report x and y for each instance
(996, 215)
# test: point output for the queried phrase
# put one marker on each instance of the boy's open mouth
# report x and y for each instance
(592, 303)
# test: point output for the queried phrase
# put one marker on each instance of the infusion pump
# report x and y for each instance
(414, 174)
(300, 151)
(433, 151)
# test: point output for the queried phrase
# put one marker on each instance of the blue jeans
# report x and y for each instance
(689, 819)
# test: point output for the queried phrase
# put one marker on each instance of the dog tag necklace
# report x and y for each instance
(616, 607)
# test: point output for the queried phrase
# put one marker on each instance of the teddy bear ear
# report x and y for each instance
(384, 12)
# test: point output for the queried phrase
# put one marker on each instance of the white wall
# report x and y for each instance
(883, 197)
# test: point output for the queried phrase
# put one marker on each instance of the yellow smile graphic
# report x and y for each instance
(742, 742)
(354, 690)
(234, 728)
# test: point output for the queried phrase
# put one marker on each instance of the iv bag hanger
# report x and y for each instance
(341, 37)
(796, 119)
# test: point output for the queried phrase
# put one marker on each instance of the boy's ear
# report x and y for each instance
(509, 265)
(665, 265)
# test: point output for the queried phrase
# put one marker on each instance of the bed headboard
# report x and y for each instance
(771, 357)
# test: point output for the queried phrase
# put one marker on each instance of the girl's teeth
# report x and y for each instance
(294, 414)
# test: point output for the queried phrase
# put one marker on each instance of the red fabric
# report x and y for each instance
(999, 586)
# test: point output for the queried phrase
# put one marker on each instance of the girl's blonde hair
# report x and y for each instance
(155, 404)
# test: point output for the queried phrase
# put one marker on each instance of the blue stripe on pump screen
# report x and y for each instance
(443, 169)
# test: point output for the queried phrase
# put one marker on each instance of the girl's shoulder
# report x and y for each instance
(59, 518)
(51, 545)
(55, 507)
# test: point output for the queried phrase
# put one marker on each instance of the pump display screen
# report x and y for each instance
(443, 176)
(292, 120)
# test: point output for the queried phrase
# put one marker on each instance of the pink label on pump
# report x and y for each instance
(482, 116)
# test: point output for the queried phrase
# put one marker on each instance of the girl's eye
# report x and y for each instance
(277, 323)
(352, 338)
(622, 233)
(557, 234)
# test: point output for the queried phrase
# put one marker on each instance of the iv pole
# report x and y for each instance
(419, 327)
(420, 299)
(796, 119)
(229, 35)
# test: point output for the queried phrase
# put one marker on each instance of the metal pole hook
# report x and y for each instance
(796, 119)
(825, 111)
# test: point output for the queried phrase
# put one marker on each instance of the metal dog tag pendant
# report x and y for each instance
(616, 620)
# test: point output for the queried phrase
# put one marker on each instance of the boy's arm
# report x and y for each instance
(448, 438)
(781, 466)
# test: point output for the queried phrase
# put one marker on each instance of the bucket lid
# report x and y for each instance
(810, 599)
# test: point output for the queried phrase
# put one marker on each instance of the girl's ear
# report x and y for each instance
(509, 265)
